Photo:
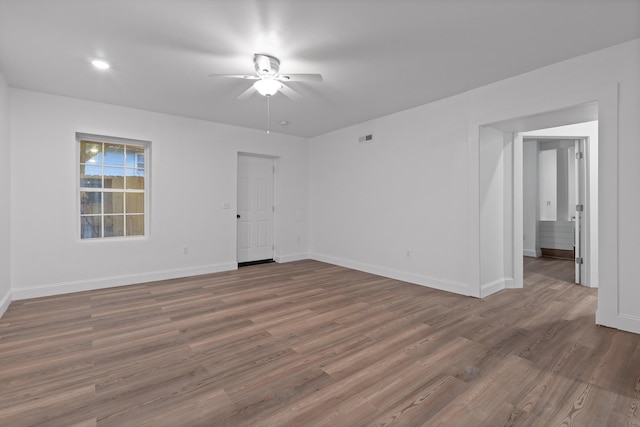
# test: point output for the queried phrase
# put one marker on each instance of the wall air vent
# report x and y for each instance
(366, 138)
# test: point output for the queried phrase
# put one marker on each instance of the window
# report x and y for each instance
(112, 195)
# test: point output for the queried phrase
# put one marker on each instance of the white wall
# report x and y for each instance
(405, 191)
(5, 175)
(571, 182)
(416, 186)
(491, 205)
(530, 198)
(556, 184)
(495, 214)
(548, 184)
(563, 185)
(193, 172)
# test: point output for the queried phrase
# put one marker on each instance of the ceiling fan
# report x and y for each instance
(268, 80)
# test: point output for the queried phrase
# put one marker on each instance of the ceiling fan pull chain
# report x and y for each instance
(268, 116)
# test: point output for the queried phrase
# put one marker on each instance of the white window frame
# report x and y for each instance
(80, 136)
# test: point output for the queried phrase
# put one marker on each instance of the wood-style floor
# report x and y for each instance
(311, 344)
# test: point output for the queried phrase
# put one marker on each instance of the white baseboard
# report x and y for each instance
(290, 257)
(5, 302)
(629, 323)
(495, 286)
(417, 279)
(532, 253)
(113, 281)
(509, 283)
(624, 322)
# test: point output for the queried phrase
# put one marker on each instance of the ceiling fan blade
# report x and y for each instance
(236, 76)
(300, 77)
(247, 93)
(290, 93)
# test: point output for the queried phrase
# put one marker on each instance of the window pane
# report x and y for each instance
(113, 203)
(90, 176)
(90, 152)
(135, 157)
(114, 154)
(90, 202)
(91, 227)
(135, 225)
(135, 179)
(135, 202)
(113, 225)
(113, 177)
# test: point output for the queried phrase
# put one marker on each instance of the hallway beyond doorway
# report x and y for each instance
(541, 269)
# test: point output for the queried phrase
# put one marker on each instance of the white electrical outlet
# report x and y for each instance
(185, 250)
(408, 253)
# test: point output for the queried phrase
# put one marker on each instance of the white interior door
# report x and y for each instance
(255, 208)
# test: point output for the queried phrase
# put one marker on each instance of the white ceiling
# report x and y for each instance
(377, 56)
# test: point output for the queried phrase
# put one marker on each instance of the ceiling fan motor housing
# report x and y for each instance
(266, 65)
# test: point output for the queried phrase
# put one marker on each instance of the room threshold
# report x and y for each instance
(260, 261)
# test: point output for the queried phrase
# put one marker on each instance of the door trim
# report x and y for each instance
(606, 97)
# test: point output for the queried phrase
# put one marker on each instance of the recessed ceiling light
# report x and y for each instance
(100, 64)
(284, 123)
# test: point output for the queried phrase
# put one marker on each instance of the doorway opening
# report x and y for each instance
(502, 195)
(549, 193)
(538, 270)
(556, 190)
(560, 193)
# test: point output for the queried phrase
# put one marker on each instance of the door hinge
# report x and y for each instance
(274, 169)
(273, 208)
(579, 208)
(579, 155)
(579, 261)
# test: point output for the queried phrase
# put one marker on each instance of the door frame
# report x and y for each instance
(606, 97)
(513, 226)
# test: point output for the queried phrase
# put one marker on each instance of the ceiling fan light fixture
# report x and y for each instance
(267, 87)
(100, 64)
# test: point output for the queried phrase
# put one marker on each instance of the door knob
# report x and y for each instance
(238, 216)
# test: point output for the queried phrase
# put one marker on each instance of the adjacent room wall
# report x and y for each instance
(193, 172)
(492, 210)
(530, 198)
(413, 190)
(548, 184)
(5, 175)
